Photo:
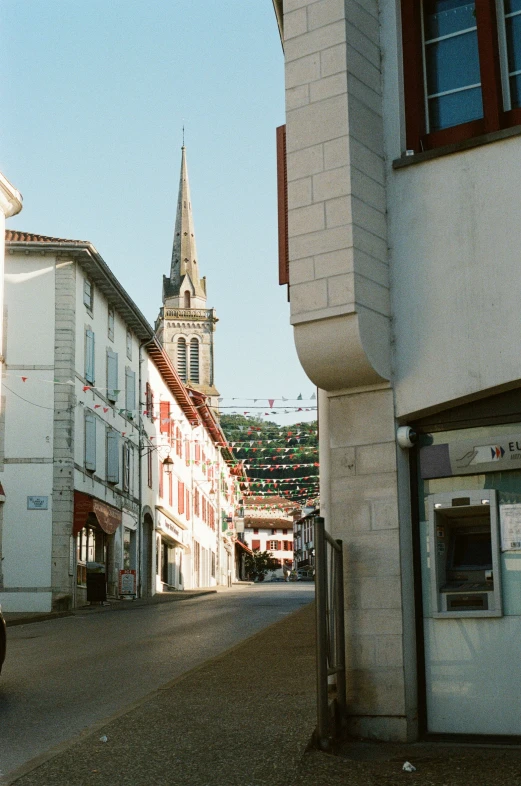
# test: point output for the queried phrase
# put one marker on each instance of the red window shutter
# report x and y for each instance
(170, 490)
(290, 545)
(282, 200)
(161, 471)
(180, 497)
(197, 453)
(255, 544)
(187, 451)
(187, 504)
(164, 416)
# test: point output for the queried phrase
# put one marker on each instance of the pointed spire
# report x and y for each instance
(184, 251)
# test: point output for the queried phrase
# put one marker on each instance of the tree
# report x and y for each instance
(259, 563)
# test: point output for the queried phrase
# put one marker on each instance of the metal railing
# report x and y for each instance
(331, 657)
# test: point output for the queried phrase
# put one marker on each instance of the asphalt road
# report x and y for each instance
(63, 675)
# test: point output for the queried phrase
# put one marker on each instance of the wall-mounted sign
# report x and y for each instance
(510, 516)
(37, 503)
(169, 528)
(471, 457)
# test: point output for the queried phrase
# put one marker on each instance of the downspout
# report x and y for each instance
(140, 477)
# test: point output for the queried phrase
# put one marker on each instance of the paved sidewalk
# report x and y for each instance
(114, 604)
(245, 718)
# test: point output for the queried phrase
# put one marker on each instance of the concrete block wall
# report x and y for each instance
(364, 513)
(336, 177)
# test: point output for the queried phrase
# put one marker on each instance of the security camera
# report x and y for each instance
(406, 436)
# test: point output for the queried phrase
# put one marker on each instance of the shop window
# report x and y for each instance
(89, 356)
(463, 69)
(90, 547)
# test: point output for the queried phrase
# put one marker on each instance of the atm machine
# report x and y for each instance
(472, 625)
(464, 554)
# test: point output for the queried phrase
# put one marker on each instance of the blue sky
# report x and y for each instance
(94, 95)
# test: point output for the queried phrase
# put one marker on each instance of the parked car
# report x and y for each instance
(305, 575)
(2, 639)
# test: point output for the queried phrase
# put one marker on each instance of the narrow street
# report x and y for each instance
(64, 675)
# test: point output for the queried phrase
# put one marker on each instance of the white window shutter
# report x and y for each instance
(130, 390)
(112, 375)
(89, 356)
(112, 456)
(90, 441)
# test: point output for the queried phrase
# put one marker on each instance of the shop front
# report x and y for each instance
(94, 526)
(171, 554)
(469, 499)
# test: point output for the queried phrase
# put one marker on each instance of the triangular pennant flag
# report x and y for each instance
(313, 396)
(24, 379)
(299, 397)
(271, 401)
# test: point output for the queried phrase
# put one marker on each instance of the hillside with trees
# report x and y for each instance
(277, 459)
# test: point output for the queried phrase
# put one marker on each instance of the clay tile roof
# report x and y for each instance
(13, 236)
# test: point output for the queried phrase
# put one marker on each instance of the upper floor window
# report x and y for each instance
(194, 360)
(181, 358)
(88, 293)
(110, 324)
(187, 299)
(462, 73)
(129, 344)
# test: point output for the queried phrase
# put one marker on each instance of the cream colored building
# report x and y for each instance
(402, 159)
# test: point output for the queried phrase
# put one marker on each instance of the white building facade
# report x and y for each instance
(100, 439)
(401, 154)
(268, 526)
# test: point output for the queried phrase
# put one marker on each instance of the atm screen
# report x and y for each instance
(471, 550)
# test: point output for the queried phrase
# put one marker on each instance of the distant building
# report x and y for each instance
(185, 325)
(268, 526)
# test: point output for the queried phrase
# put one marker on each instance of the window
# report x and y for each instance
(110, 326)
(112, 375)
(127, 466)
(187, 299)
(90, 441)
(129, 344)
(273, 531)
(88, 294)
(130, 392)
(112, 456)
(89, 356)
(181, 358)
(90, 547)
(194, 360)
(463, 69)
(165, 424)
(149, 468)
(149, 401)
(255, 531)
(273, 544)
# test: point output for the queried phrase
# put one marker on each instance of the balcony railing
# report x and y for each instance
(189, 313)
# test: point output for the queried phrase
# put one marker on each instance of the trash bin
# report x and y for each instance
(96, 582)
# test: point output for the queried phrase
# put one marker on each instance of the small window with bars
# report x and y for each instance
(194, 360)
(181, 359)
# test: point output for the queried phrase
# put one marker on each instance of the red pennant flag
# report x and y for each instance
(97, 406)
(271, 401)
(105, 409)
(85, 388)
(123, 433)
(24, 379)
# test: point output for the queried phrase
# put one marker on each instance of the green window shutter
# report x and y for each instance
(89, 356)
(90, 441)
(112, 375)
(112, 456)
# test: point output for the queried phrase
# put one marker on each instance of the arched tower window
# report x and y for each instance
(181, 358)
(194, 360)
(187, 299)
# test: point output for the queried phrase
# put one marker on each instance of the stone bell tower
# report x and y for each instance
(186, 325)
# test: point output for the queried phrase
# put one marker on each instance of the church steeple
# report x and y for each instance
(186, 325)
(184, 252)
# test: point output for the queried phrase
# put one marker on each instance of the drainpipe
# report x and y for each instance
(139, 587)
